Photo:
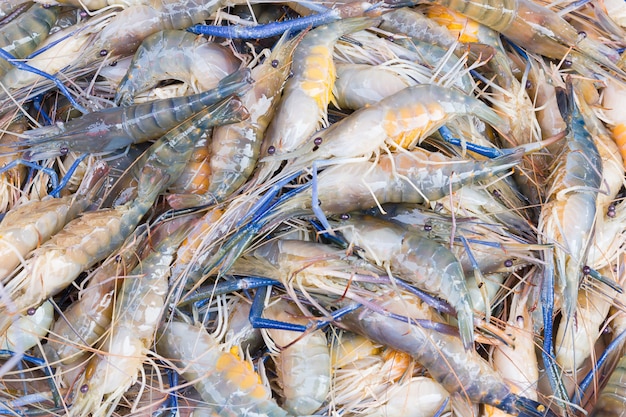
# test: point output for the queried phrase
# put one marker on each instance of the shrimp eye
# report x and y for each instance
(83, 14)
(317, 141)
(582, 34)
(586, 269)
(271, 150)
(46, 6)
(275, 63)
(103, 52)
(508, 263)
(114, 63)
(84, 388)
(567, 63)
(31, 311)
(496, 194)
(529, 84)
(118, 258)
(64, 150)
(428, 228)
(344, 216)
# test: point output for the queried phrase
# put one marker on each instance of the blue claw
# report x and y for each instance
(446, 134)
(25, 67)
(170, 408)
(267, 30)
(225, 287)
(54, 179)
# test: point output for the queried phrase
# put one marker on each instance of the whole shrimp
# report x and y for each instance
(179, 55)
(137, 314)
(21, 36)
(399, 120)
(574, 183)
(423, 262)
(117, 127)
(459, 370)
(302, 363)
(235, 148)
(80, 245)
(29, 225)
(307, 93)
(223, 380)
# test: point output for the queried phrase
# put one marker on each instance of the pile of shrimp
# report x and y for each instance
(229, 208)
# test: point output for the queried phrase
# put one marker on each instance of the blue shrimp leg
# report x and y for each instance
(66, 178)
(588, 379)
(170, 408)
(491, 153)
(54, 179)
(37, 105)
(25, 67)
(547, 352)
(268, 30)
(45, 368)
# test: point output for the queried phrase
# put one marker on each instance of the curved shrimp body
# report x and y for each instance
(457, 369)
(221, 378)
(22, 36)
(117, 127)
(303, 363)
(575, 181)
(178, 55)
(308, 91)
(138, 310)
(424, 262)
(235, 148)
(400, 119)
(413, 177)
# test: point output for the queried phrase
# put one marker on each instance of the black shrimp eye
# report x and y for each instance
(83, 14)
(84, 388)
(344, 216)
(46, 6)
(529, 84)
(428, 228)
(271, 150)
(64, 150)
(586, 269)
(317, 141)
(275, 63)
(114, 63)
(103, 52)
(567, 63)
(611, 213)
(31, 311)
(508, 263)
(582, 34)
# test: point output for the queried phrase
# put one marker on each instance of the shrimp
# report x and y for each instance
(28, 330)
(29, 225)
(87, 319)
(423, 262)
(223, 380)
(302, 363)
(399, 120)
(21, 36)
(179, 55)
(400, 399)
(537, 27)
(308, 92)
(115, 128)
(80, 244)
(413, 177)
(574, 183)
(235, 148)
(458, 370)
(138, 311)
